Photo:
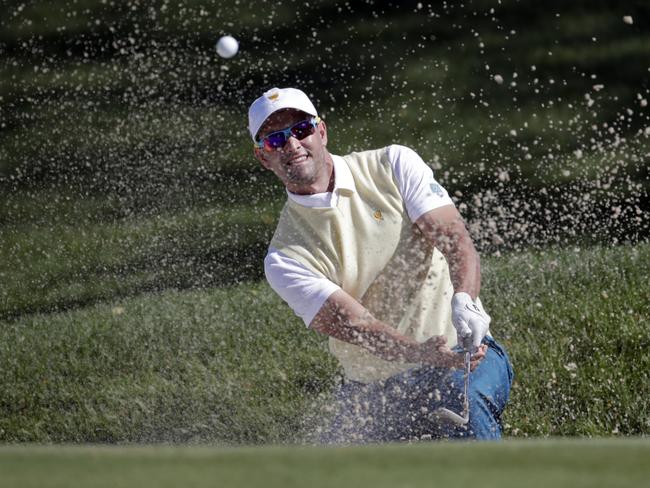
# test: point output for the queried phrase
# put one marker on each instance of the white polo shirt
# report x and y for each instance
(306, 292)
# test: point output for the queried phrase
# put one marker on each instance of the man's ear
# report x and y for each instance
(322, 129)
(261, 157)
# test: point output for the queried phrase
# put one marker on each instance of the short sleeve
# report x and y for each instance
(417, 185)
(304, 291)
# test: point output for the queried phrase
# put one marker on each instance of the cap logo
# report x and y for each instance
(273, 96)
(377, 215)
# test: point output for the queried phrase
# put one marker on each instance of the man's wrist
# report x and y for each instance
(463, 295)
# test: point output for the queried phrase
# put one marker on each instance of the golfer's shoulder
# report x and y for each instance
(389, 155)
(370, 159)
(364, 154)
(397, 152)
(392, 161)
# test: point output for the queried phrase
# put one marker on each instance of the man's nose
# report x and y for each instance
(292, 144)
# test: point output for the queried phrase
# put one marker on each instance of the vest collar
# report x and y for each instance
(343, 184)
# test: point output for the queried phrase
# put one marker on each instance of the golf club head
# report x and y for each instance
(453, 417)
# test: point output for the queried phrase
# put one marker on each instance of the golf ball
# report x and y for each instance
(227, 46)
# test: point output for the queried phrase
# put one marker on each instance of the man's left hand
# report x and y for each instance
(470, 320)
(435, 352)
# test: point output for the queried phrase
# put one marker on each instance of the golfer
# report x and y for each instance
(371, 251)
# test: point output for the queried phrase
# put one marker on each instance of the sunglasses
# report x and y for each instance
(277, 140)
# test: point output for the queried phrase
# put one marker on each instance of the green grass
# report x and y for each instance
(576, 323)
(66, 263)
(233, 365)
(575, 464)
(227, 365)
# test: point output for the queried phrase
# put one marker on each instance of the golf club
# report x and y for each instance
(463, 417)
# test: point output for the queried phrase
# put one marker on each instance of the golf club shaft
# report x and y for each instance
(468, 357)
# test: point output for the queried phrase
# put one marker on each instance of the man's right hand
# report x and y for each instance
(435, 352)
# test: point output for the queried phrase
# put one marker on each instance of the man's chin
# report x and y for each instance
(300, 175)
(300, 181)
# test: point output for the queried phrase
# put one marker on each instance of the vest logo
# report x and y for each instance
(437, 189)
(273, 96)
(377, 215)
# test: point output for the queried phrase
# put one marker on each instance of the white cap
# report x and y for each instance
(276, 99)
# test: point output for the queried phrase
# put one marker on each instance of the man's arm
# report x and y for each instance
(445, 228)
(344, 318)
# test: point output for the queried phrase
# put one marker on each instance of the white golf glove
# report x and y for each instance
(470, 320)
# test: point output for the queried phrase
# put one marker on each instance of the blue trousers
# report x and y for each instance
(401, 408)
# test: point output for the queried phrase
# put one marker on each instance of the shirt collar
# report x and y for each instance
(343, 183)
(343, 180)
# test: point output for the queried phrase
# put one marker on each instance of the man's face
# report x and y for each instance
(300, 164)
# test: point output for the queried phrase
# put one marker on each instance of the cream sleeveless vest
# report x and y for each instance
(368, 246)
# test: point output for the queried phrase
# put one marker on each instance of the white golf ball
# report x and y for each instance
(227, 47)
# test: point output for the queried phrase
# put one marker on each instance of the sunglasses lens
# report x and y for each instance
(302, 129)
(275, 140)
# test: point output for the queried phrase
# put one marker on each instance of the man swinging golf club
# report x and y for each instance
(371, 251)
